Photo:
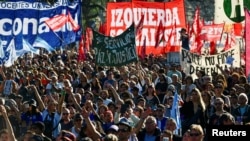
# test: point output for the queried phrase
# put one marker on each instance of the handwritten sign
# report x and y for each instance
(191, 63)
(115, 51)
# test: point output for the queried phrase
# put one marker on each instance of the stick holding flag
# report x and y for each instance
(175, 111)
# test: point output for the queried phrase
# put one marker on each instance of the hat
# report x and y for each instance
(32, 102)
(77, 116)
(19, 96)
(125, 122)
(113, 127)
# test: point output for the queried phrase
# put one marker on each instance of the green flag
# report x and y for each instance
(115, 51)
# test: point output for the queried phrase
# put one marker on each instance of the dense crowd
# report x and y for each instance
(55, 97)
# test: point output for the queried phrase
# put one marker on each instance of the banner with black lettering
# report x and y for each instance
(115, 51)
(191, 63)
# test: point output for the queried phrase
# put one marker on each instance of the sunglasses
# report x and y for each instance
(218, 103)
(194, 134)
(123, 130)
(65, 113)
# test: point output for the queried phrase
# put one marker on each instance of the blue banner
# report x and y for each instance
(23, 28)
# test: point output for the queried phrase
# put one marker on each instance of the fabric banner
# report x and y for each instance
(230, 11)
(115, 51)
(247, 41)
(25, 21)
(121, 15)
(191, 63)
(213, 32)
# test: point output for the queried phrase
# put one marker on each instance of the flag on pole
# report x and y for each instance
(159, 34)
(175, 111)
(57, 21)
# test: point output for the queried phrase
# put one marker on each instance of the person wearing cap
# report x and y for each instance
(184, 39)
(31, 116)
(125, 131)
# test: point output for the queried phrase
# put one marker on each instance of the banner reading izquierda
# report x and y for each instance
(121, 15)
(115, 51)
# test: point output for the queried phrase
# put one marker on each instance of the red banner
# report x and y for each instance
(247, 38)
(213, 32)
(121, 15)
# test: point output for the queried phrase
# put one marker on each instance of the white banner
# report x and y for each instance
(191, 63)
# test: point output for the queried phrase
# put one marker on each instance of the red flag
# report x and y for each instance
(74, 25)
(81, 50)
(159, 32)
(237, 29)
(171, 46)
(197, 23)
(87, 41)
(143, 49)
(227, 44)
(89, 35)
(102, 28)
(140, 25)
(212, 48)
(57, 21)
(196, 30)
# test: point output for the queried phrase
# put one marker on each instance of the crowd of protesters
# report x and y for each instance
(54, 97)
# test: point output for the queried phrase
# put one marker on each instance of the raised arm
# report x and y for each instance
(11, 134)
(90, 127)
(38, 97)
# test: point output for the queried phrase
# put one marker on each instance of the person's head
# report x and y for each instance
(113, 129)
(28, 135)
(150, 124)
(108, 116)
(186, 136)
(196, 132)
(78, 120)
(171, 124)
(242, 99)
(226, 119)
(66, 114)
(104, 94)
(160, 110)
(124, 131)
(138, 111)
(52, 105)
(38, 127)
(196, 98)
(219, 104)
(4, 135)
(166, 134)
(110, 137)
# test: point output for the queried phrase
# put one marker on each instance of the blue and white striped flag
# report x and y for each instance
(175, 111)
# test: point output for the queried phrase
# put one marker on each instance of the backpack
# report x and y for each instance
(49, 128)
